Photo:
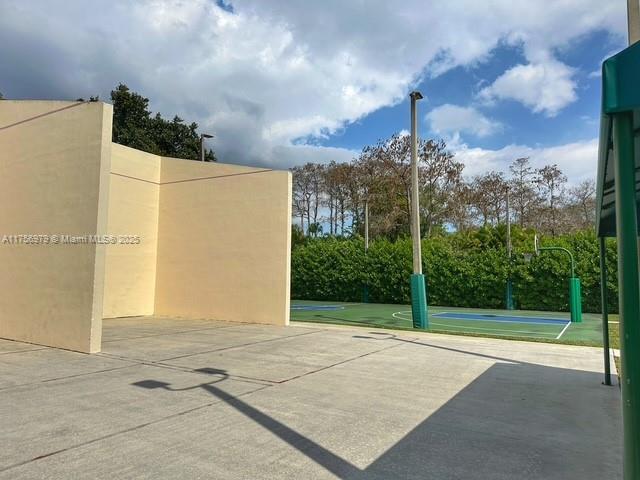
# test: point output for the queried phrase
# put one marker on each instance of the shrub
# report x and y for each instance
(462, 270)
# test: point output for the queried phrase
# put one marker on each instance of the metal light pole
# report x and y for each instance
(202, 137)
(418, 289)
(509, 293)
(365, 290)
(366, 225)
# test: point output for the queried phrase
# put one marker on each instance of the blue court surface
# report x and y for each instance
(317, 307)
(500, 318)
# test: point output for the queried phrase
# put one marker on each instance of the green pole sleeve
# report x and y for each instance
(419, 301)
(605, 311)
(575, 300)
(629, 288)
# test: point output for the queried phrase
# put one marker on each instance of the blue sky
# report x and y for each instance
(578, 121)
(282, 83)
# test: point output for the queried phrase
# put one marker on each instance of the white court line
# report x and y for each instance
(563, 330)
(509, 332)
(307, 306)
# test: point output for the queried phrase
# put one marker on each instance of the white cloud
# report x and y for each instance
(450, 119)
(546, 87)
(293, 155)
(578, 160)
(274, 72)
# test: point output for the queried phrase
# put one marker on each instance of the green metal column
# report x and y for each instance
(419, 301)
(575, 300)
(605, 311)
(629, 294)
(509, 295)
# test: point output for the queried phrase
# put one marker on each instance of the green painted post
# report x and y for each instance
(418, 301)
(605, 311)
(509, 295)
(629, 288)
(365, 294)
(575, 300)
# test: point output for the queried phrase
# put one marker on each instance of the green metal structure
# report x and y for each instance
(575, 295)
(419, 311)
(617, 216)
(509, 295)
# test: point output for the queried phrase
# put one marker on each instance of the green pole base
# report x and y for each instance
(509, 295)
(419, 301)
(365, 294)
(575, 300)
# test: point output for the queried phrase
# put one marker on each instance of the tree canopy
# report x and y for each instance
(330, 199)
(135, 126)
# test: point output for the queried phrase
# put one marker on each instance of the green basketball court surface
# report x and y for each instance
(517, 324)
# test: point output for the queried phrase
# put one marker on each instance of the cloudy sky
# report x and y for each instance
(283, 82)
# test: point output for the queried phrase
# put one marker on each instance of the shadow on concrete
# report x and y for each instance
(515, 420)
(393, 337)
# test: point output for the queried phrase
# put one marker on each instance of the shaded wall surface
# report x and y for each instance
(134, 195)
(224, 242)
(54, 174)
(214, 240)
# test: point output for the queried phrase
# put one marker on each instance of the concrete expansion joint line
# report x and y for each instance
(342, 362)
(65, 377)
(169, 333)
(121, 432)
(221, 349)
(178, 368)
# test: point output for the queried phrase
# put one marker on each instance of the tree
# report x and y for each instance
(439, 175)
(134, 126)
(381, 177)
(392, 161)
(551, 185)
(131, 120)
(523, 195)
(460, 212)
(302, 194)
(337, 180)
(582, 204)
(489, 196)
(316, 178)
(297, 236)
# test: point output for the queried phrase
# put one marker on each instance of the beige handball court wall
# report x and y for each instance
(224, 242)
(54, 177)
(214, 239)
(134, 196)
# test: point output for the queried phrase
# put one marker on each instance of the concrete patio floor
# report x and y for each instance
(175, 398)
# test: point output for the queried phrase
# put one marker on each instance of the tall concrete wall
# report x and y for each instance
(54, 177)
(214, 238)
(134, 197)
(224, 241)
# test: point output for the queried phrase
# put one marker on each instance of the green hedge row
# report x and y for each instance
(461, 271)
